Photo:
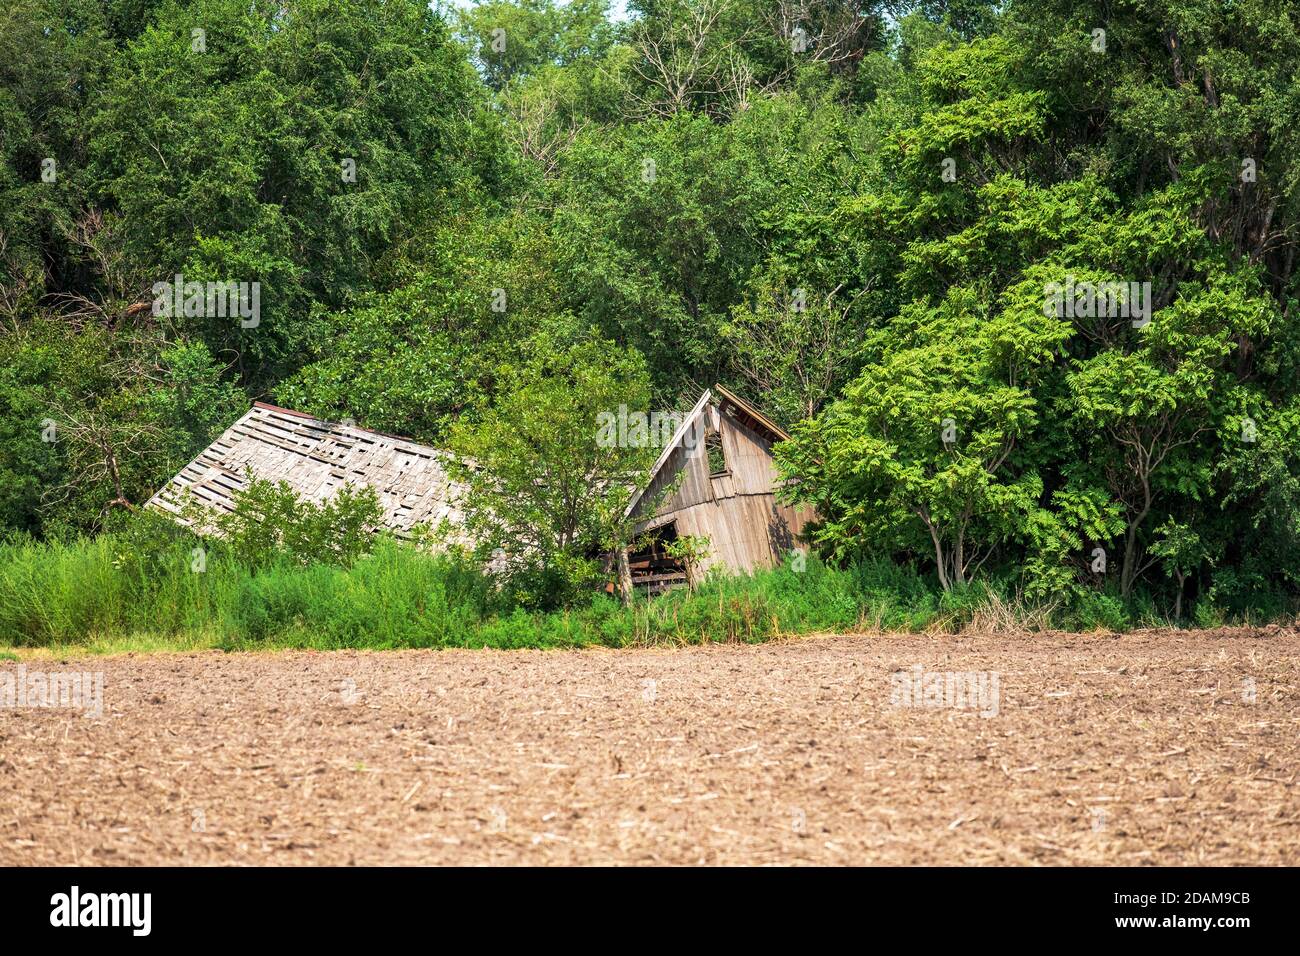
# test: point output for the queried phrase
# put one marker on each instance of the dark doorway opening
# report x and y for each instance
(654, 570)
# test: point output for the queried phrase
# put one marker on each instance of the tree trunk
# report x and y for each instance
(959, 558)
(624, 577)
(940, 559)
(1128, 572)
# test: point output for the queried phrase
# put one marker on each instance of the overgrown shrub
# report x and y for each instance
(271, 524)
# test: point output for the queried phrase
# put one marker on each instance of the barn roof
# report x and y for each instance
(750, 415)
(316, 458)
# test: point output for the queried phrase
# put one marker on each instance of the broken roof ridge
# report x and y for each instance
(751, 410)
(689, 421)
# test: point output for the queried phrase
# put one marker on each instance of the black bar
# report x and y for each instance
(932, 907)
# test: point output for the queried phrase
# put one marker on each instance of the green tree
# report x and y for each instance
(270, 523)
(925, 451)
(513, 39)
(284, 144)
(546, 496)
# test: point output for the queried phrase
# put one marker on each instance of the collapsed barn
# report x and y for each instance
(715, 481)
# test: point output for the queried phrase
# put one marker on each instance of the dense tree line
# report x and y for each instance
(884, 222)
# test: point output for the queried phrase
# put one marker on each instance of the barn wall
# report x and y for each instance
(747, 532)
(749, 461)
(749, 457)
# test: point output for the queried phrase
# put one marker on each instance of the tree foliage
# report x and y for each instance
(484, 226)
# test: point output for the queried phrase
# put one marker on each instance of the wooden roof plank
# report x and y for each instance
(315, 458)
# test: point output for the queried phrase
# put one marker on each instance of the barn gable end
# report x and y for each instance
(727, 487)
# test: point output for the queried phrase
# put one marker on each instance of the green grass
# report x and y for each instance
(112, 594)
(136, 643)
(395, 598)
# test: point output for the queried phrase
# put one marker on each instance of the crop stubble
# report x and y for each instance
(1143, 748)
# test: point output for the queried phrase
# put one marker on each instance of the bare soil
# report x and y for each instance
(1165, 747)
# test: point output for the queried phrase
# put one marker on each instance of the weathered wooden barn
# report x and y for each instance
(715, 479)
(316, 458)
